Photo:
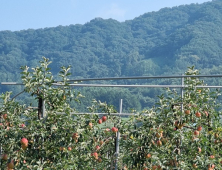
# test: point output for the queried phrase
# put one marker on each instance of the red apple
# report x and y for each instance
(213, 166)
(101, 142)
(211, 157)
(106, 130)
(90, 125)
(198, 114)
(22, 125)
(199, 128)
(99, 160)
(75, 135)
(154, 167)
(100, 121)
(159, 135)
(10, 165)
(24, 141)
(148, 155)
(195, 166)
(159, 143)
(187, 112)
(61, 148)
(104, 118)
(4, 157)
(5, 116)
(216, 135)
(196, 133)
(24, 146)
(97, 147)
(95, 155)
(69, 148)
(206, 113)
(114, 129)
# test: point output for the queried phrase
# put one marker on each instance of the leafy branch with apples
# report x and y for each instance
(177, 133)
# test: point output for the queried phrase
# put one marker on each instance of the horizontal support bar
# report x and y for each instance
(11, 83)
(115, 85)
(113, 114)
(146, 77)
(123, 78)
(150, 86)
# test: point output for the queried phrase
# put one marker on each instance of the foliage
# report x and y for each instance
(179, 138)
(166, 137)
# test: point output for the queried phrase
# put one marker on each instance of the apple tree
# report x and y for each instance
(49, 136)
(180, 132)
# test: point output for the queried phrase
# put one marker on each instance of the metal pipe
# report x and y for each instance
(143, 77)
(182, 84)
(114, 85)
(112, 114)
(11, 83)
(122, 85)
(123, 78)
(118, 136)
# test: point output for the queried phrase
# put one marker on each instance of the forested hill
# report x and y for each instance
(156, 43)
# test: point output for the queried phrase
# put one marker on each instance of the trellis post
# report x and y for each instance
(118, 135)
(182, 86)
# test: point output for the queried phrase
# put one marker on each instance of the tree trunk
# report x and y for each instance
(40, 108)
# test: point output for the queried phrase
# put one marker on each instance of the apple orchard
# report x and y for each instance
(163, 137)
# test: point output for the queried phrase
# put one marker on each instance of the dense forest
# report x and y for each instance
(165, 42)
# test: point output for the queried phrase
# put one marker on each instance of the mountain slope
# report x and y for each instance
(156, 43)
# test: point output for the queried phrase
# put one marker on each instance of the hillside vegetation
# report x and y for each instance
(156, 43)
